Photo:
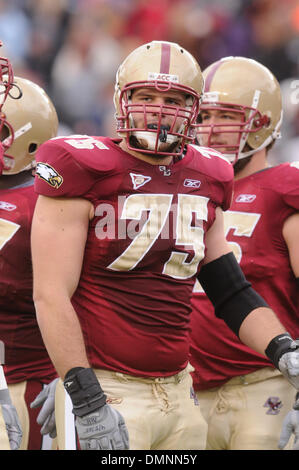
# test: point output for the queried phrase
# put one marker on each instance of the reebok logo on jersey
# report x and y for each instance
(192, 183)
(245, 198)
(49, 174)
(6, 206)
(139, 180)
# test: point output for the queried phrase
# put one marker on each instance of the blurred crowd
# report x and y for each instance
(72, 48)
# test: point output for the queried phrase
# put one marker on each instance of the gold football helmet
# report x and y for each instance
(28, 118)
(248, 88)
(162, 66)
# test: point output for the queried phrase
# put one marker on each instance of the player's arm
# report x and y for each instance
(59, 231)
(290, 233)
(242, 308)
(290, 424)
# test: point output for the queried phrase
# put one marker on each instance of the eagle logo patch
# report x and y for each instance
(49, 174)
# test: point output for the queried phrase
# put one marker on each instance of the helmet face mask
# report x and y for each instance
(6, 79)
(28, 118)
(156, 137)
(181, 75)
(241, 87)
(230, 138)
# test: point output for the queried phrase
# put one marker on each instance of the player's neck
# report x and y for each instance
(257, 163)
(167, 160)
(10, 181)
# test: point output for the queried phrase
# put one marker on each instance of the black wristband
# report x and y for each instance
(85, 391)
(229, 291)
(278, 346)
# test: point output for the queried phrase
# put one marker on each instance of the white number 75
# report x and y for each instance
(159, 206)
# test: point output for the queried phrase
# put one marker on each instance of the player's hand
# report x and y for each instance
(99, 426)
(46, 416)
(103, 429)
(11, 419)
(289, 364)
(290, 426)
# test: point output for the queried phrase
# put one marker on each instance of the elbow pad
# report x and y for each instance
(229, 291)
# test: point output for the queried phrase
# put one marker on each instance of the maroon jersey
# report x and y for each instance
(144, 246)
(25, 355)
(253, 225)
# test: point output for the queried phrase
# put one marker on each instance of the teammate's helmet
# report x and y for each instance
(163, 66)
(247, 87)
(28, 119)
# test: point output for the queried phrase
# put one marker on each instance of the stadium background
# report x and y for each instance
(72, 48)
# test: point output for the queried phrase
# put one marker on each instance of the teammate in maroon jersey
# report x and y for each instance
(120, 231)
(243, 397)
(29, 120)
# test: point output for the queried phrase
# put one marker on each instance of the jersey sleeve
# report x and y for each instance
(58, 173)
(227, 194)
(291, 185)
(219, 172)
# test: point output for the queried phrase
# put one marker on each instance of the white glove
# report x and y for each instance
(11, 419)
(46, 416)
(103, 429)
(290, 426)
(99, 425)
(289, 365)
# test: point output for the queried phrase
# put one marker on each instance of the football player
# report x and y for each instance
(28, 119)
(10, 426)
(128, 224)
(244, 398)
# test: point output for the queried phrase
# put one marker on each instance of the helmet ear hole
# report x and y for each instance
(4, 133)
(32, 148)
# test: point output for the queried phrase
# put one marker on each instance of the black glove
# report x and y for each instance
(99, 426)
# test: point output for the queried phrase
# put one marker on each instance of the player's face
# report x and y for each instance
(220, 129)
(159, 106)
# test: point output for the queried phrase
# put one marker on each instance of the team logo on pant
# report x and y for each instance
(274, 404)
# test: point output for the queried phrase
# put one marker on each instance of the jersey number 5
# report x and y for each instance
(243, 225)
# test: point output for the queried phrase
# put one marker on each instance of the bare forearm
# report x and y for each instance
(259, 328)
(62, 335)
